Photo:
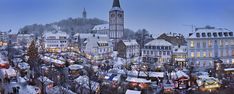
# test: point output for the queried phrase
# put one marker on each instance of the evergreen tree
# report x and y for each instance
(33, 54)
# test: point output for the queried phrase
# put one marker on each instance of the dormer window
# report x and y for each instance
(198, 35)
(225, 34)
(231, 34)
(209, 34)
(220, 34)
(203, 34)
(215, 34)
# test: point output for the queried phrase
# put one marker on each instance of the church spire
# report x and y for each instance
(116, 3)
(84, 14)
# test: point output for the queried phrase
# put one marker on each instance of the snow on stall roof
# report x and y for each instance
(84, 80)
(229, 69)
(137, 80)
(75, 67)
(58, 89)
(23, 66)
(144, 74)
(132, 92)
(49, 59)
(9, 72)
(45, 80)
(28, 90)
(3, 61)
(180, 74)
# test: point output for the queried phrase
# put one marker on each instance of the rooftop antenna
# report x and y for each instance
(192, 26)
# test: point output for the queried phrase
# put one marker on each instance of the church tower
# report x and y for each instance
(116, 23)
(84, 14)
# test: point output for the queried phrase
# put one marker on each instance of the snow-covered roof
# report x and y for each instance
(84, 80)
(144, 74)
(101, 27)
(56, 34)
(75, 67)
(130, 42)
(180, 74)
(45, 80)
(229, 69)
(23, 66)
(212, 33)
(158, 42)
(8, 72)
(181, 49)
(137, 80)
(132, 92)
(56, 61)
(3, 61)
(58, 89)
(29, 90)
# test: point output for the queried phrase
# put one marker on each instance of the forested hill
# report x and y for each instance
(70, 25)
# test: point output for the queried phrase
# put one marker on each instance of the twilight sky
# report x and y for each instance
(157, 16)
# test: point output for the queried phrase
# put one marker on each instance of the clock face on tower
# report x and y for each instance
(112, 15)
(120, 15)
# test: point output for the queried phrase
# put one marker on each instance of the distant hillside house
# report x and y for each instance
(3, 38)
(13, 38)
(128, 48)
(25, 39)
(56, 41)
(157, 51)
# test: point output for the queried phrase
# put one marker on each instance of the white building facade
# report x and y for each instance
(157, 51)
(128, 49)
(25, 39)
(97, 47)
(209, 43)
(56, 41)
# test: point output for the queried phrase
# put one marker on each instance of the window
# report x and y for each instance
(198, 35)
(215, 34)
(230, 33)
(168, 53)
(221, 53)
(227, 52)
(225, 34)
(192, 54)
(198, 54)
(209, 34)
(192, 44)
(198, 44)
(210, 53)
(220, 34)
(209, 43)
(221, 43)
(204, 44)
(232, 52)
(203, 34)
(226, 42)
(204, 54)
(164, 52)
